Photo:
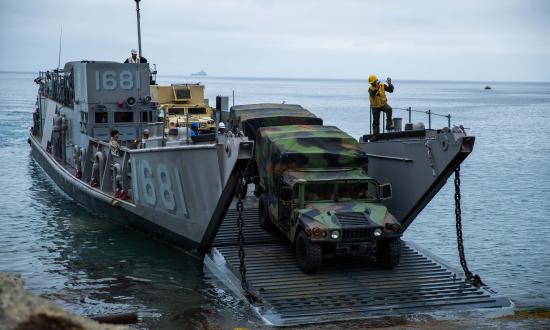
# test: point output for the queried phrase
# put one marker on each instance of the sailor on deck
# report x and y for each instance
(221, 128)
(134, 58)
(114, 144)
(378, 103)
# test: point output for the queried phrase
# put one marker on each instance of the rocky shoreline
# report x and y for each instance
(22, 310)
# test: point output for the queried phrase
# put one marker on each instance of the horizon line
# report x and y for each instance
(311, 78)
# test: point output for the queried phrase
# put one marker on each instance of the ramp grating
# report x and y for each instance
(349, 288)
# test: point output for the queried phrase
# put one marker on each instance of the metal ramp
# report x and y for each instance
(354, 288)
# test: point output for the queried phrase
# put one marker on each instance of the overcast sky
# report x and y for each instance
(424, 40)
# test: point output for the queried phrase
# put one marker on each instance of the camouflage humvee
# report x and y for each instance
(180, 101)
(315, 190)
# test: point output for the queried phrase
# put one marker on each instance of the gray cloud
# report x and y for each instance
(462, 40)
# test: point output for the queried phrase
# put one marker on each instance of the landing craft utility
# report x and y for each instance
(96, 134)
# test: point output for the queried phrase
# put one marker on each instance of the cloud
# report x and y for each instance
(288, 37)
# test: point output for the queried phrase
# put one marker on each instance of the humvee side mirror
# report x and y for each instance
(384, 191)
(286, 194)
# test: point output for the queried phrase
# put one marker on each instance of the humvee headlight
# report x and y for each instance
(377, 232)
(335, 234)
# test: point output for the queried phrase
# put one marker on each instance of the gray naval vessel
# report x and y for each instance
(176, 189)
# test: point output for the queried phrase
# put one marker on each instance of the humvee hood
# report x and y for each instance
(291, 177)
(331, 215)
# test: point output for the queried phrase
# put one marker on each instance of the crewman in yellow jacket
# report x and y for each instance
(379, 102)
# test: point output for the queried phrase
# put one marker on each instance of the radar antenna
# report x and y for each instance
(138, 27)
(59, 55)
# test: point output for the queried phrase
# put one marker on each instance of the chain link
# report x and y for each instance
(471, 277)
(240, 225)
(241, 185)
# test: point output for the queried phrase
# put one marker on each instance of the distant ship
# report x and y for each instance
(201, 73)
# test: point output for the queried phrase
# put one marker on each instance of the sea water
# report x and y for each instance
(91, 265)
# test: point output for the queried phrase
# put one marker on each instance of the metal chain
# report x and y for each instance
(471, 277)
(240, 224)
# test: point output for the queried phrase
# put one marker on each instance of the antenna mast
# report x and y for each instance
(138, 26)
(59, 55)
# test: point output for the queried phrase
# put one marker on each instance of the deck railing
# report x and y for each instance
(429, 113)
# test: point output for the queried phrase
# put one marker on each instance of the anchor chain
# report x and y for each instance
(251, 296)
(471, 277)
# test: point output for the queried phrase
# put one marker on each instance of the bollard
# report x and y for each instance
(397, 122)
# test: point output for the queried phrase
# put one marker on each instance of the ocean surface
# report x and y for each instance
(92, 266)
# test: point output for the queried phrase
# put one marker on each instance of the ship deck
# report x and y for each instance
(344, 289)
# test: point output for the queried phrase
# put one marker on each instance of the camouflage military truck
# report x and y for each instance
(249, 118)
(315, 190)
(177, 101)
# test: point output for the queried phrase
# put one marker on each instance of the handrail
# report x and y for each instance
(410, 110)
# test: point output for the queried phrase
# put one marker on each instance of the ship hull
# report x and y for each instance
(103, 204)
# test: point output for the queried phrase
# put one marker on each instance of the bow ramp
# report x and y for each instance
(357, 288)
(354, 288)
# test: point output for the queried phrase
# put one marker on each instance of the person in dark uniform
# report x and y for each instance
(378, 103)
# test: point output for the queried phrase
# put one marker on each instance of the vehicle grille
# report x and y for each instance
(356, 226)
(358, 234)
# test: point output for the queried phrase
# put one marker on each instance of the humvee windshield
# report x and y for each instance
(183, 94)
(326, 191)
(176, 111)
(197, 111)
(357, 190)
(319, 191)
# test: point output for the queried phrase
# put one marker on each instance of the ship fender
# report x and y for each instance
(82, 159)
(77, 156)
(97, 169)
(117, 176)
(56, 136)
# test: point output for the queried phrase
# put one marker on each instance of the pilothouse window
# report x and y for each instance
(146, 116)
(124, 117)
(101, 117)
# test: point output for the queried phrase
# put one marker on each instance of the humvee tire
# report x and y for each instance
(265, 221)
(308, 254)
(389, 252)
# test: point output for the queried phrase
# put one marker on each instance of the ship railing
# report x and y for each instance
(428, 113)
(57, 85)
(113, 166)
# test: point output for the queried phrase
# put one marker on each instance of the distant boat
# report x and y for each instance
(487, 87)
(201, 73)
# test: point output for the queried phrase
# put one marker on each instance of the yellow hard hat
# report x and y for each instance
(372, 78)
